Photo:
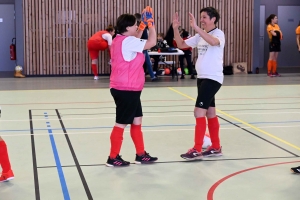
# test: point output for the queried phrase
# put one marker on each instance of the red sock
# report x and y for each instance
(214, 127)
(4, 160)
(116, 139)
(270, 63)
(94, 69)
(137, 138)
(200, 129)
(274, 66)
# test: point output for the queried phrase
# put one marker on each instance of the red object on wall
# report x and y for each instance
(12, 48)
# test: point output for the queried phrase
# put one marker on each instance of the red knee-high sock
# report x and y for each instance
(94, 69)
(116, 139)
(137, 138)
(213, 128)
(274, 66)
(200, 129)
(4, 160)
(270, 64)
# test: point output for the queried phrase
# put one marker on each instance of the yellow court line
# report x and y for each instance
(243, 122)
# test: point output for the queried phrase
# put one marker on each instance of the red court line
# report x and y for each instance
(211, 191)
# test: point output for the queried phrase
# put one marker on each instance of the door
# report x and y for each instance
(262, 30)
(7, 32)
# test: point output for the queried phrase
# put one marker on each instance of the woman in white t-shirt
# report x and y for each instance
(210, 42)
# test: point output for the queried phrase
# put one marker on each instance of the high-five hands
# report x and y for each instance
(193, 23)
(176, 22)
(147, 16)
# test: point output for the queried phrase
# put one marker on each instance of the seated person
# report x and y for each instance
(161, 43)
(187, 55)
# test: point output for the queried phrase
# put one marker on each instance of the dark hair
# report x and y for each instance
(299, 23)
(211, 12)
(124, 21)
(109, 28)
(170, 36)
(269, 19)
(184, 33)
(138, 17)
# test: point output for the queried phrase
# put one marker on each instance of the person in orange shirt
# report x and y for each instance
(275, 35)
(99, 42)
(298, 36)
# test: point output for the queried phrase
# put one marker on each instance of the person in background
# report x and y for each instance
(298, 36)
(275, 35)
(161, 43)
(100, 41)
(187, 55)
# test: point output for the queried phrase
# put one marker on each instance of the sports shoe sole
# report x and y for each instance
(109, 165)
(195, 158)
(147, 162)
(213, 155)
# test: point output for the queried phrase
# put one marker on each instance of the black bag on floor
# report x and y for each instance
(228, 70)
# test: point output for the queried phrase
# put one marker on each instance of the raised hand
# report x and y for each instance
(176, 22)
(147, 16)
(193, 23)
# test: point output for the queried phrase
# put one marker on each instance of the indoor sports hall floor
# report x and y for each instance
(57, 131)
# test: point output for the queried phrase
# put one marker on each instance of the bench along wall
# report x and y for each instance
(56, 32)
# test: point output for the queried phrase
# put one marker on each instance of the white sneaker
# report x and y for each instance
(96, 77)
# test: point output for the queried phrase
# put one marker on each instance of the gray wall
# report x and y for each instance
(272, 8)
(19, 29)
(19, 32)
(7, 1)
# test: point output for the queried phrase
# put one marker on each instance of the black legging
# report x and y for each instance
(188, 56)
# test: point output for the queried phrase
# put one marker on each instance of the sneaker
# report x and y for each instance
(117, 162)
(193, 76)
(7, 176)
(182, 76)
(276, 74)
(270, 74)
(192, 154)
(295, 170)
(211, 152)
(144, 159)
(96, 77)
(155, 78)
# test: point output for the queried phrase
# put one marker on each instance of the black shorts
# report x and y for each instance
(128, 105)
(207, 89)
(275, 46)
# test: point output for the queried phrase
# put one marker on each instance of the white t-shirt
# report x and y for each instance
(210, 58)
(108, 38)
(131, 46)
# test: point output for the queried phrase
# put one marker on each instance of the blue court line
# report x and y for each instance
(161, 125)
(57, 161)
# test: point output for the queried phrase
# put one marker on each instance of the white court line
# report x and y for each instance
(63, 119)
(145, 130)
(147, 116)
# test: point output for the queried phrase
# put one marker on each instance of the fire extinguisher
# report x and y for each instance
(13, 49)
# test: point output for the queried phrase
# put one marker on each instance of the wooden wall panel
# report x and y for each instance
(56, 32)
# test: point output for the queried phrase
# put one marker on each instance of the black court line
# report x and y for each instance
(260, 137)
(115, 107)
(85, 185)
(35, 173)
(181, 161)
